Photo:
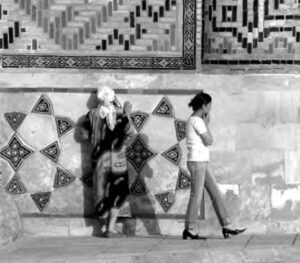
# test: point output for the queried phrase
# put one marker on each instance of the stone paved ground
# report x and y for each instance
(244, 248)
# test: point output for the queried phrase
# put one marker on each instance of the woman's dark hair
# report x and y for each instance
(199, 100)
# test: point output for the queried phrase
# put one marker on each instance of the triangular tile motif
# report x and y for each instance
(15, 186)
(43, 106)
(87, 179)
(173, 154)
(14, 119)
(138, 187)
(63, 178)
(166, 200)
(139, 119)
(63, 125)
(183, 181)
(15, 152)
(41, 199)
(52, 151)
(180, 128)
(138, 154)
(164, 108)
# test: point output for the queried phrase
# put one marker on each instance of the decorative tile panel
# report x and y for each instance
(139, 119)
(251, 32)
(63, 125)
(52, 151)
(138, 187)
(14, 119)
(43, 106)
(164, 108)
(180, 128)
(41, 200)
(136, 34)
(138, 153)
(63, 178)
(166, 200)
(173, 154)
(183, 181)
(15, 152)
(15, 186)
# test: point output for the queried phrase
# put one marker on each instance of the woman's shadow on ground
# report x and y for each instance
(141, 206)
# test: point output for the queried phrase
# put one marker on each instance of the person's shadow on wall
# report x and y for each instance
(141, 205)
(87, 170)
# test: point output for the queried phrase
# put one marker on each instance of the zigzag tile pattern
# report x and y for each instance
(146, 29)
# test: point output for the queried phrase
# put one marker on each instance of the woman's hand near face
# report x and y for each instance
(206, 118)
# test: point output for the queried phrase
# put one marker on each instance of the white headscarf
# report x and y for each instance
(107, 110)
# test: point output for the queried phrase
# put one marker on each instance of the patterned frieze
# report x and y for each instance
(114, 34)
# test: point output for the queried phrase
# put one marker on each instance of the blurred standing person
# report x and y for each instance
(108, 128)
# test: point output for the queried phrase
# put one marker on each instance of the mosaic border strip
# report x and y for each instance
(187, 61)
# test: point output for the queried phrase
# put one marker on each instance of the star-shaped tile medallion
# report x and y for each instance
(15, 152)
(138, 153)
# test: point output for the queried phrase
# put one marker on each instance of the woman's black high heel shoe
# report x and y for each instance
(227, 232)
(186, 234)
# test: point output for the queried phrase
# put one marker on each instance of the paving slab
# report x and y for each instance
(164, 249)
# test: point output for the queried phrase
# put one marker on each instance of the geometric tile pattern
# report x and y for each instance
(41, 199)
(164, 108)
(63, 125)
(183, 181)
(138, 153)
(14, 119)
(173, 154)
(62, 178)
(180, 128)
(51, 151)
(139, 187)
(139, 119)
(43, 106)
(15, 186)
(251, 32)
(15, 152)
(118, 34)
(166, 200)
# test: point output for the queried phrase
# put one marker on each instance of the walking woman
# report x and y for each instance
(198, 138)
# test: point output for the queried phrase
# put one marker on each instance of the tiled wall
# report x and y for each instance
(150, 34)
(255, 123)
(251, 32)
(255, 118)
(44, 158)
(110, 34)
